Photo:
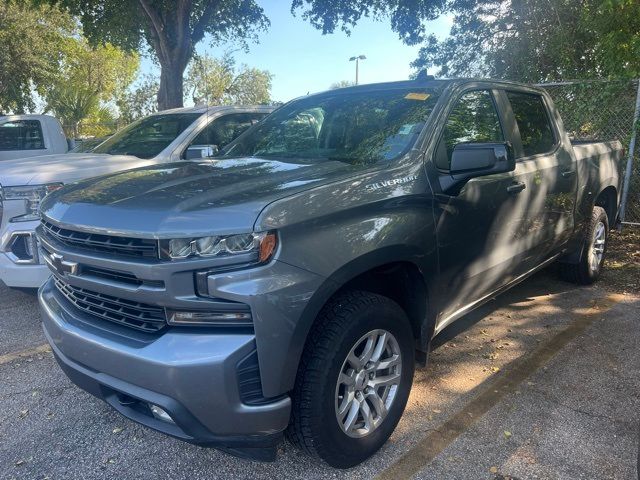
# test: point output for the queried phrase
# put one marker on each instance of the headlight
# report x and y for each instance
(254, 247)
(32, 195)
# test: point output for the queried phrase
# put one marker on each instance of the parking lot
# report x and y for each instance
(542, 382)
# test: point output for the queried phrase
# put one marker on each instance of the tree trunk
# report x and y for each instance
(170, 94)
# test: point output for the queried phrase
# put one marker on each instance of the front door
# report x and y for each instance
(482, 242)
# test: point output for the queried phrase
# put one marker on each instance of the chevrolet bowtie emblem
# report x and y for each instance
(62, 266)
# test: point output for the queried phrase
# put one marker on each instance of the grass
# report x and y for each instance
(622, 263)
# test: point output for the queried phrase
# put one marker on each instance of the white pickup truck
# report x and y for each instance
(170, 136)
(31, 136)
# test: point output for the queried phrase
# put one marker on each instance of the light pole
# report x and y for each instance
(357, 59)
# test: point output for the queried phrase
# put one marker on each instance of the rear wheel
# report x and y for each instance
(354, 379)
(589, 267)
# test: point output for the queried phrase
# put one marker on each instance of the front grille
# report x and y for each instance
(140, 316)
(132, 247)
(114, 275)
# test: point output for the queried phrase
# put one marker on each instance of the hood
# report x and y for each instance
(185, 199)
(65, 167)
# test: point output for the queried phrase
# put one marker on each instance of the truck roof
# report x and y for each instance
(426, 83)
(216, 109)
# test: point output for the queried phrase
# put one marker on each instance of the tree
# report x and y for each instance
(342, 84)
(88, 77)
(218, 82)
(139, 101)
(30, 49)
(99, 123)
(407, 17)
(170, 28)
(539, 40)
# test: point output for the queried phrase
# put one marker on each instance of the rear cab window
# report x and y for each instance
(21, 135)
(532, 117)
(474, 119)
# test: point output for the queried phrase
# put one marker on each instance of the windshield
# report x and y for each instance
(146, 138)
(359, 128)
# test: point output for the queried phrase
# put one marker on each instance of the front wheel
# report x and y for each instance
(596, 237)
(354, 379)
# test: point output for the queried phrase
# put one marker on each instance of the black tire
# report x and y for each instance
(314, 426)
(582, 272)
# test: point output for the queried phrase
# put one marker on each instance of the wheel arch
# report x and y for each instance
(608, 199)
(385, 272)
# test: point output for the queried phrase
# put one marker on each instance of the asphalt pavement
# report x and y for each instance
(542, 382)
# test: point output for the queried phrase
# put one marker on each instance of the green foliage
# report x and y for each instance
(218, 82)
(139, 101)
(407, 17)
(169, 28)
(88, 77)
(99, 123)
(30, 48)
(539, 40)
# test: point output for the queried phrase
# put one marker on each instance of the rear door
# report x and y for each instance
(548, 171)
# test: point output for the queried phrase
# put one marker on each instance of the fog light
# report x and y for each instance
(22, 248)
(161, 414)
(231, 319)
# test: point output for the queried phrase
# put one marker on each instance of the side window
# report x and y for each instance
(21, 135)
(533, 122)
(221, 131)
(474, 119)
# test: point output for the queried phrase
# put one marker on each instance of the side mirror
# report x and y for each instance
(196, 152)
(472, 160)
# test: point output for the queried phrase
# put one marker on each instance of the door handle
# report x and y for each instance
(568, 173)
(516, 187)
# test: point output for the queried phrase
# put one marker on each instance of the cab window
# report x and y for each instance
(533, 122)
(21, 135)
(474, 119)
(222, 130)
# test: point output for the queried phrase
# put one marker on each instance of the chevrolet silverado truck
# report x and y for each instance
(169, 136)
(292, 284)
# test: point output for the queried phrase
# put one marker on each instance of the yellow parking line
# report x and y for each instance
(429, 447)
(10, 357)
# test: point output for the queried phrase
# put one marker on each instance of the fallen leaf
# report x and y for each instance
(507, 434)
(435, 410)
(493, 469)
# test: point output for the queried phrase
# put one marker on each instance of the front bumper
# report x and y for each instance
(192, 375)
(22, 276)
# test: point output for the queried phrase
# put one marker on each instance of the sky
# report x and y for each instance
(303, 60)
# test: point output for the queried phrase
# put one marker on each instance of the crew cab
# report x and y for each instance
(292, 284)
(172, 135)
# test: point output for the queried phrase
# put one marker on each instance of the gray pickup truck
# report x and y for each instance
(292, 282)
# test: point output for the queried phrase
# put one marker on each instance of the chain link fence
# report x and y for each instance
(604, 110)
